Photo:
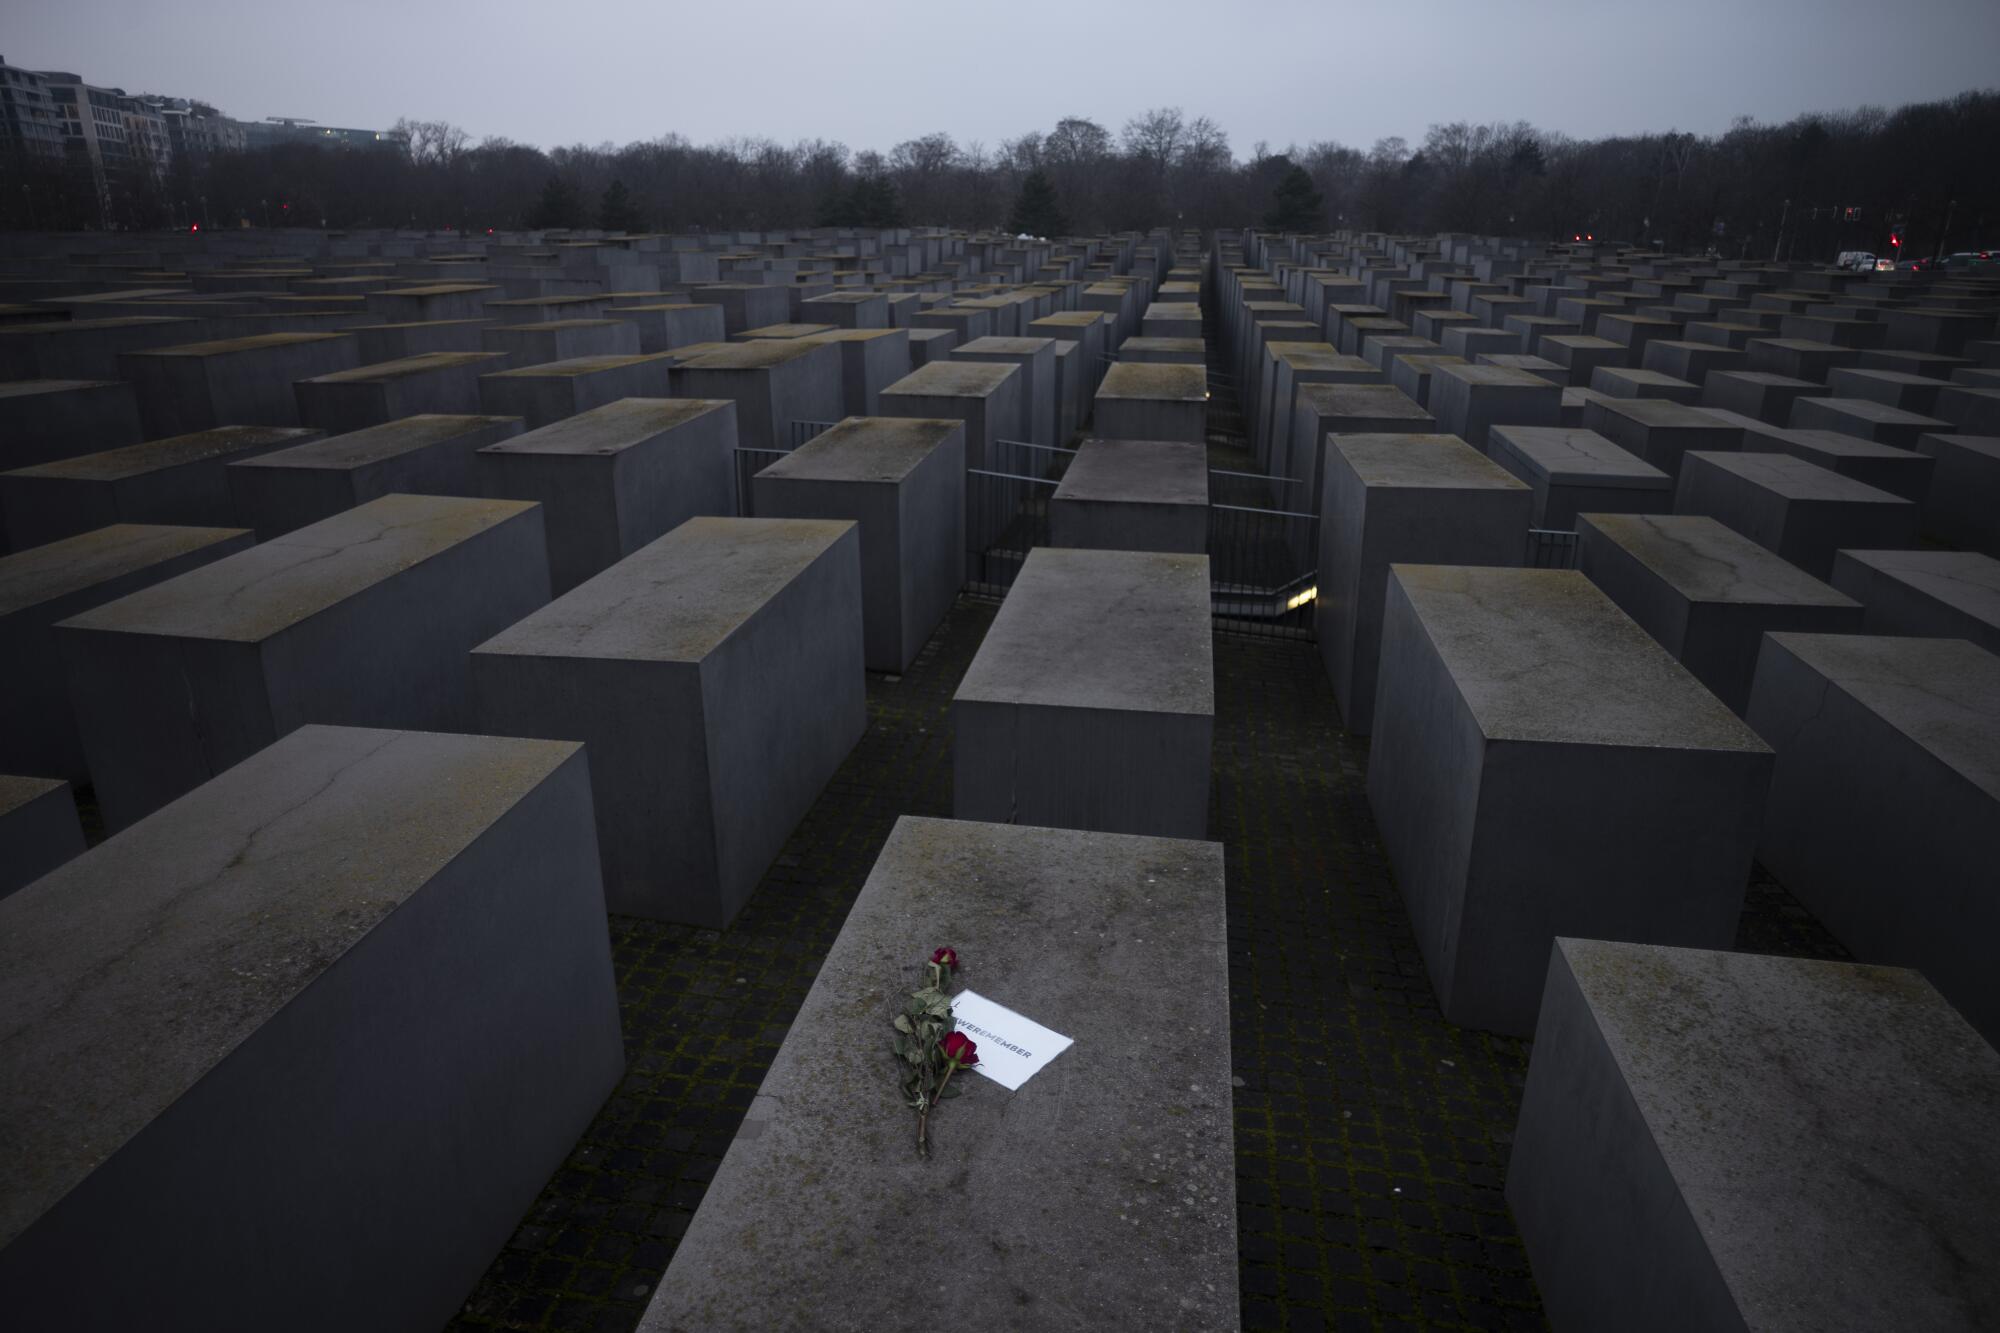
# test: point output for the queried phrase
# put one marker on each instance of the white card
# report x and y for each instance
(1012, 1049)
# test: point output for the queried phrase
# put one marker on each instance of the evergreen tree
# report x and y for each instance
(558, 206)
(617, 212)
(1036, 210)
(836, 209)
(1295, 204)
(876, 203)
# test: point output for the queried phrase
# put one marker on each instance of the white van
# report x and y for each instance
(1858, 261)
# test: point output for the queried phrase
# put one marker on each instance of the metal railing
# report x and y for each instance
(1019, 458)
(801, 430)
(1255, 490)
(749, 462)
(1550, 549)
(1006, 516)
(1262, 570)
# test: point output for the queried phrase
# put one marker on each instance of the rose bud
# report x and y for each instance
(961, 1049)
(947, 956)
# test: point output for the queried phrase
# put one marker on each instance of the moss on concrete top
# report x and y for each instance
(1134, 379)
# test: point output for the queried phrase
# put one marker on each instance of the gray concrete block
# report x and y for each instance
(428, 302)
(1320, 410)
(561, 340)
(773, 384)
(1091, 703)
(381, 1014)
(235, 382)
(1706, 593)
(615, 478)
(434, 382)
(1468, 401)
(1048, 917)
(902, 481)
(1430, 499)
(558, 389)
(1036, 422)
(39, 829)
(1133, 495)
(1656, 430)
(45, 420)
(85, 349)
(1532, 745)
(1884, 816)
(984, 397)
(362, 619)
(716, 678)
(181, 480)
(1574, 470)
(870, 361)
(666, 325)
(1795, 508)
(1151, 402)
(1924, 594)
(283, 490)
(50, 583)
(1718, 1140)
(393, 342)
(1963, 503)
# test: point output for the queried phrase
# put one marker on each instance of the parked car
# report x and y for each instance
(1859, 261)
(1968, 259)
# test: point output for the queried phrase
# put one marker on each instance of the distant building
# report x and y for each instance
(196, 130)
(28, 119)
(292, 129)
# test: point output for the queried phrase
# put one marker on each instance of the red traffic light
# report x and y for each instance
(1895, 240)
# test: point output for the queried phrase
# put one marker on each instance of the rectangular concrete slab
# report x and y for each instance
(1133, 495)
(286, 489)
(1799, 510)
(1572, 470)
(1706, 593)
(47, 584)
(1046, 920)
(615, 478)
(39, 829)
(1925, 594)
(362, 619)
(688, 667)
(902, 480)
(1714, 1140)
(1884, 816)
(326, 1024)
(1091, 702)
(1533, 745)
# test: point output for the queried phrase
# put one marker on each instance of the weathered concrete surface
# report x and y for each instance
(281, 491)
(347, 400)
(1091, 703)
(1714, 1140)
(181, 480)
(1133, 495)
(325, 1025)
(1532, 745)
(1925, 594)
(1121, 1148)
(1319, 410)
(773, 383)
(985, 397)
(52, 582)
(716, 675)
(362, 619)
(1151, 402)
(51, 419)
(1795, 508)
(1963, 505)
(39, 829)
(1574, 470)
(545, 393)
(1706, 593)
(1036, 422)
(233, 382)
(1884, 816)
(902, 480)
(614, 478)
(1428, 499)
(1468, 401)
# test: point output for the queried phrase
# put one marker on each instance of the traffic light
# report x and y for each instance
(1895, 240)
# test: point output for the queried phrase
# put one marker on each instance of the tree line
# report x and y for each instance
(1804, 189)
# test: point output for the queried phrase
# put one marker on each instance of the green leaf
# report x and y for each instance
(903, 1023)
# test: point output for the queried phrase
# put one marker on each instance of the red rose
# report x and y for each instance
(947, 956)
(961, 1049)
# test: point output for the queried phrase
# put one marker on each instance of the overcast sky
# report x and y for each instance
(875, 73)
